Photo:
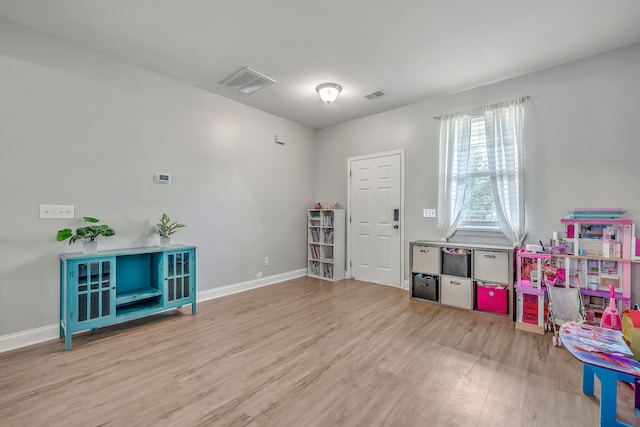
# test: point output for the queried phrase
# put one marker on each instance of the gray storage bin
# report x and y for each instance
(425, 286)
(456, 262)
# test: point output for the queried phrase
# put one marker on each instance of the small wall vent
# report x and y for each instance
(247, 81)
(375, 95)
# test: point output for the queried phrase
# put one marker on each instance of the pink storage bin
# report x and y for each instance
(492, 298)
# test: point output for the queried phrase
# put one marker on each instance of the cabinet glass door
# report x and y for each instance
(94, 291)
(178, 276)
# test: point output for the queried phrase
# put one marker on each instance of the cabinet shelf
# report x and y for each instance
(604, 294)
(136, 295)
(132, 310)
(600, 258)
(530, 290)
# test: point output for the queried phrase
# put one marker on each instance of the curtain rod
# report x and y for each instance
(523, 98)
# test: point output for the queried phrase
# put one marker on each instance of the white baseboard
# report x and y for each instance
(50, 332)
(251, 284)
(32, 336)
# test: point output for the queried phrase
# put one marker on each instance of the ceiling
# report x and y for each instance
(410, 49)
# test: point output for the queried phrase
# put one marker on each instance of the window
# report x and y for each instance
(481, 171)
(478, 208)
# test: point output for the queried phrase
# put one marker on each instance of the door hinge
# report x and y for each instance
(350, 174)
(349, 263)
(349, 219)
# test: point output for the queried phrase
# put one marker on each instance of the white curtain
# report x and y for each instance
(503, 131)
(455, 137)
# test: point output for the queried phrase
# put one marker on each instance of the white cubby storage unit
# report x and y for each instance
(326, 242)
(467, 276)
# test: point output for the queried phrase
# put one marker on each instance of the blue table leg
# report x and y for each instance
(608, 396)
(637, 389)
(587, 379)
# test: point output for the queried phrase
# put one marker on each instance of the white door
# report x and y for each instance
(375, 228)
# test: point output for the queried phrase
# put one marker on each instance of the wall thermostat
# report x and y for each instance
(162, 178)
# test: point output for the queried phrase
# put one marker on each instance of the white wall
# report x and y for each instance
(581, 136)
(83, 129)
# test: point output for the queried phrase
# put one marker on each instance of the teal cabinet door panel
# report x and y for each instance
(179, 267)
(92, 292)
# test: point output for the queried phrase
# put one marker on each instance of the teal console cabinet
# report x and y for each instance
(115, 286)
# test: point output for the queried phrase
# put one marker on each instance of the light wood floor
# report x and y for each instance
(302, 353)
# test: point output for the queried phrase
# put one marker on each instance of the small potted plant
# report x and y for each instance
(165, 228)
(88, 233)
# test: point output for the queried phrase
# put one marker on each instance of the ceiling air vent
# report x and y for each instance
(247, 81)
(375, 95)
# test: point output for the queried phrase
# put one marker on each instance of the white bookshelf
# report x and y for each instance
(326, 242)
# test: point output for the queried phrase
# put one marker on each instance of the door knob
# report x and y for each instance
(396, 226)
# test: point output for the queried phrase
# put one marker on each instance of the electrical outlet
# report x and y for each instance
(57, 211)
(429, 213)
(266, 260)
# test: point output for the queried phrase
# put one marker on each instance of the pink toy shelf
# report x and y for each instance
(532, 272)
(599, 251)
(532, 278)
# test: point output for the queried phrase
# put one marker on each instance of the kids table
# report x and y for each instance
(603, 353)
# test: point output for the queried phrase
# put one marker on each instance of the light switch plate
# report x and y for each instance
(429, 213)
(57, 211)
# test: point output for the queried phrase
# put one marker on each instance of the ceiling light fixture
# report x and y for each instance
(328, 91)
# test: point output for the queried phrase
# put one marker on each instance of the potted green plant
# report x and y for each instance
(165, 228)
(89, 233)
